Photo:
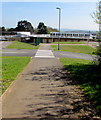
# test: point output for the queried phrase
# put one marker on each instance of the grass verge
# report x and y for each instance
(88, 76)
(75, 49)
(21, 45)
(69, 43)
(11, 66)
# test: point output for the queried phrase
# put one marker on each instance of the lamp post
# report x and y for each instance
(59, 26)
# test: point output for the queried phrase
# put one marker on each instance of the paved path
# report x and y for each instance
(45, 91)
(44, 54)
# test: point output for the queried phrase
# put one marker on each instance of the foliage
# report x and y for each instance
(21, 26)
(97, 60)
(42, 29)
(24, 26)
(11, 29)
(97, 14)
(75, 48)
(3, 28)
(50, 29)
(21, 45)
(97, 17)
(11, 66)
(88, 76)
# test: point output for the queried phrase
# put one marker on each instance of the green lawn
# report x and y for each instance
(21, 45)
(69, 42)
(11, 66)
(75, 49)
(88, 76)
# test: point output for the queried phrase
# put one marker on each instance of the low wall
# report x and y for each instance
(49, 40)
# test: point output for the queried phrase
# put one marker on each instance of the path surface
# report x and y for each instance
(45, 91)
(44, 54)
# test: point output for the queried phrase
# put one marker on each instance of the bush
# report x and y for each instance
(98, 53)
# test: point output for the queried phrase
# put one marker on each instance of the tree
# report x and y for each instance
(50, 29)
(11, 29)
(42, 29)
(3, 28)
(97, 17)
(24, 26)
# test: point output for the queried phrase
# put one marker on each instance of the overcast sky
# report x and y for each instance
(74, 15)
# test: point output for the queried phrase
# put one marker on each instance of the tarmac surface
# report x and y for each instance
(18, 52)
(5, 43)
(31, 53)
(45, 91)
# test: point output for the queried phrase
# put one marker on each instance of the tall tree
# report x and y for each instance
(24, 26)
(97, 17)
(3, 28)
(42, 29)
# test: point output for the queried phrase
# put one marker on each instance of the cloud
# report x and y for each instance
(50, 0)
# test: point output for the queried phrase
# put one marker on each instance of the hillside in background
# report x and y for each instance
(77, 30)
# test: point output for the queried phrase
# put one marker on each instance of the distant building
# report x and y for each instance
(23, 34)
(74, 34)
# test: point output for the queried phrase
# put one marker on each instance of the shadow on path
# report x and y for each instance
(61, 99)
(53, 95)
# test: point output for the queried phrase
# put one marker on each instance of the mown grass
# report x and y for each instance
(75, 49)
(21, 45)
(69, 43)
(88, 76)
(11, 66)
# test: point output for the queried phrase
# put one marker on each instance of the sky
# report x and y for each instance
(74, 15)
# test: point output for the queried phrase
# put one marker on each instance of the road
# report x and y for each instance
(4, 43)
(61, 54)
(1, 45)
(18, 52)
(31, 53)
(57, 54)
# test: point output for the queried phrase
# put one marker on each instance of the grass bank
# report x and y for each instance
(21, 45)
(69, 42)
(75, 49)
(11, 66)
(88, 76)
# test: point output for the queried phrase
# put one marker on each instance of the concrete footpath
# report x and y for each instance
(45, 91)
